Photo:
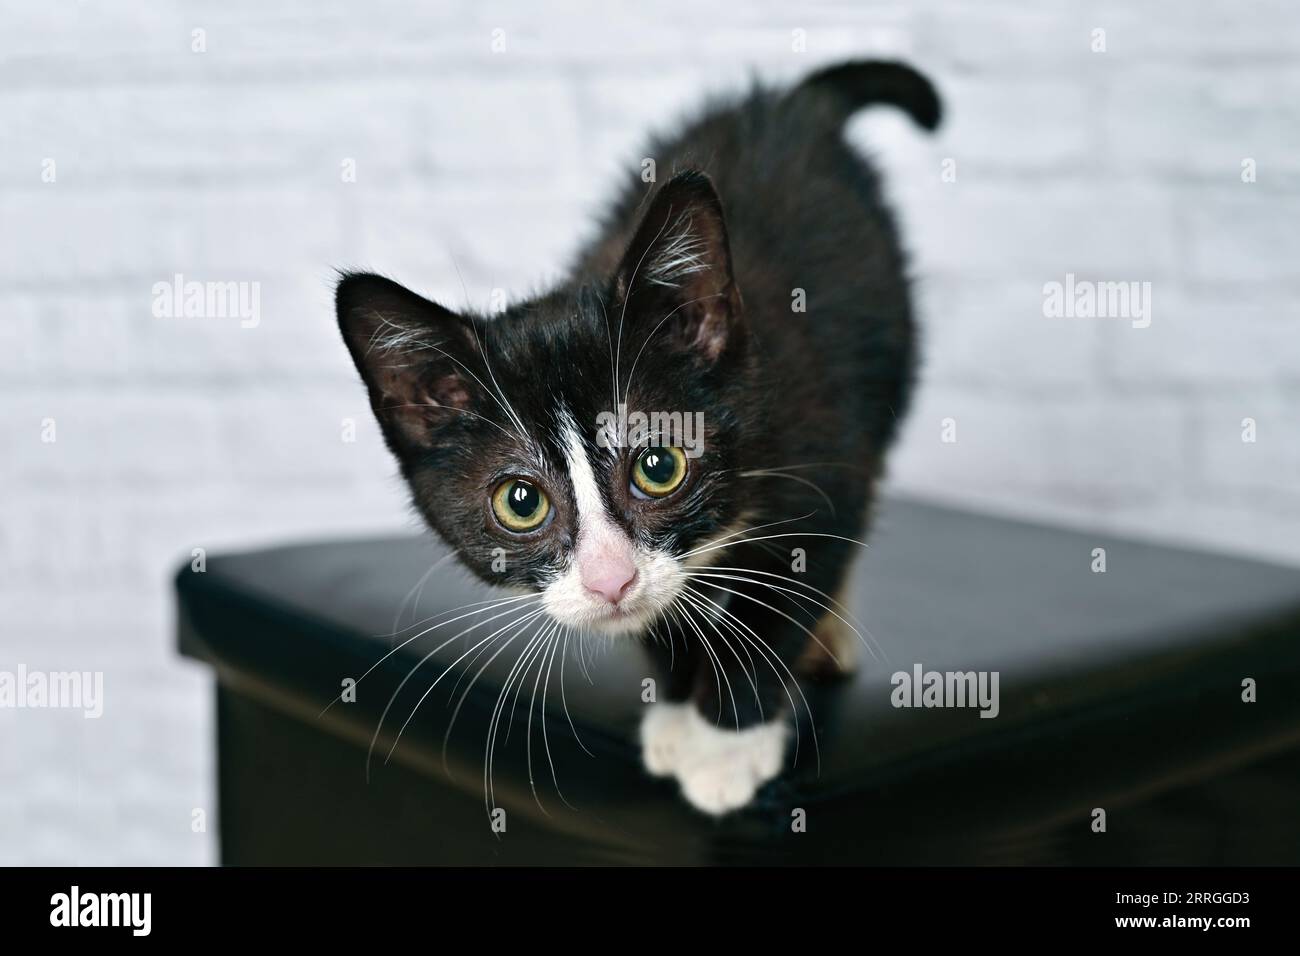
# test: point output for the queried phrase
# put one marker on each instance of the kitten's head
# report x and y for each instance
(510, 430)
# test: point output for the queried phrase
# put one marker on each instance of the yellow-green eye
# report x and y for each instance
(659, 471)
(520, 505)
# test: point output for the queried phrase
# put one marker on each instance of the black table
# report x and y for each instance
(1119, 690)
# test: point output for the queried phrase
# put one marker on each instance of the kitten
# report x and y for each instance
(758, 292)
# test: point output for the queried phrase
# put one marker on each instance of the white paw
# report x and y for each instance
(664, 729)
(720, 770)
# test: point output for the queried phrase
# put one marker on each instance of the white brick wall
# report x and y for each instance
(225, 165)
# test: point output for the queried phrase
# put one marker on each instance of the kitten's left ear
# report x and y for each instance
(677, 270)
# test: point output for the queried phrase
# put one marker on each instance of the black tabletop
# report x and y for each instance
(1107, 680)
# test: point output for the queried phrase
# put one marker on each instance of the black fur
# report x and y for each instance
(776, 202)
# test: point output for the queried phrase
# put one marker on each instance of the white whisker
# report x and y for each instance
(627, 391)
(791, 534)
(712, 573)
(527, 617)
(718, 542)
(494, 602)
(546, 741)
(564, 701)
(498, 710)
(773, 473)
(720, 673)
(763, 647)
(406, 341)
(627, 295)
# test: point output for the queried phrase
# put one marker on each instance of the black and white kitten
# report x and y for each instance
(760, 286)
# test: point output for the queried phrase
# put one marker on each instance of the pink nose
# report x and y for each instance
(609, 579)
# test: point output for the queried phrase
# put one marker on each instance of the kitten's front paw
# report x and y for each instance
(664, 729)
(720, 770)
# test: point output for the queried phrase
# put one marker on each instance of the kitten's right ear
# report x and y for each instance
(413, 354)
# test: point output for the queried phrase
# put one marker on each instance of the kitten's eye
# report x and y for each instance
(659, 471)
(520, 505)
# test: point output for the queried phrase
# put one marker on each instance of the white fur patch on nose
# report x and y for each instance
(604, 556)
(604, 565)
(607, 568)
(594, 523)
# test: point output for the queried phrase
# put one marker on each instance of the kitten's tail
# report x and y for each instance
(860, 83)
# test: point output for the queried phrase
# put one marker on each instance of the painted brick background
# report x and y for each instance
(483, 166)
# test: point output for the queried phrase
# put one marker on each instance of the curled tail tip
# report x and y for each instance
(862, 83)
